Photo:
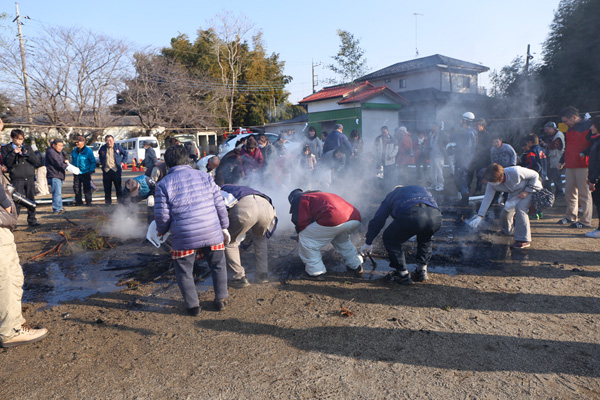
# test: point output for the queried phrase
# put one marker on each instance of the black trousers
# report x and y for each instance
(596, 200)
(27, 188)
(420, 220)
(85, 181)
(108, 179)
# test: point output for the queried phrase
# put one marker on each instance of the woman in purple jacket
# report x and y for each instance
(189, 204)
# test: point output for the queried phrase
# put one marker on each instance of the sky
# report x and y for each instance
(492, 33)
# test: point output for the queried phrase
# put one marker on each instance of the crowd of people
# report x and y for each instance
(212, 206)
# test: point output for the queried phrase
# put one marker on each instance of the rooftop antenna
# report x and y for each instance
(416, 47)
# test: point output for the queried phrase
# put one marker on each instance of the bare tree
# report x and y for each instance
(163, 92)
(230, 31)
(75, 75)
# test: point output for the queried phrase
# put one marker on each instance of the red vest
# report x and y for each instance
(576, 143)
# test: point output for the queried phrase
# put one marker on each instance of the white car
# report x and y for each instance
(95, 147)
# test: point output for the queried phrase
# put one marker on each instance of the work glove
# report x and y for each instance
(366, 249)
(150, 201)
(474, 221)
(226, 236)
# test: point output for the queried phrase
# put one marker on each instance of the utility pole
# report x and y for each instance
(23, 66)
(527, 58)
(416, 47)
(314, 76)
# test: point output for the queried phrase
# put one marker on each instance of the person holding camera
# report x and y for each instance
(21, 162)
(13, 330)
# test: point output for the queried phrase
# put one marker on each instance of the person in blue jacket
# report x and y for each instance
(415, 212)
(111, 156)
(83, 158)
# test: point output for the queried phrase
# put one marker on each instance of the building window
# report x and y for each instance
(402, 83)
(388, 80)
(464, 82)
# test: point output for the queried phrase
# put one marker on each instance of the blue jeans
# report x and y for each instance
(56, 185)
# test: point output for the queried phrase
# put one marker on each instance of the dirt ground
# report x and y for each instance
(499, 324)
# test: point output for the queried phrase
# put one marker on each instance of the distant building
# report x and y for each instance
(437, 87)
(360, 105)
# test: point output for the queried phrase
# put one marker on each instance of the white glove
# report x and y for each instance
(474, 221)
(226, 236)
(366, 249)
(150, 201)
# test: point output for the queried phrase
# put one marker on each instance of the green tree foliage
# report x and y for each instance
(350, 63)
(571, 70)
(259, 96)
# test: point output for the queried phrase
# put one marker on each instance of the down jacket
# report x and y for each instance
(326, 209)
(188, 203)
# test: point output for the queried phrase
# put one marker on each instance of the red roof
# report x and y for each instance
(357, 92)
(335, 91)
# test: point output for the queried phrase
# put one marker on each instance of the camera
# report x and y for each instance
(21, 200)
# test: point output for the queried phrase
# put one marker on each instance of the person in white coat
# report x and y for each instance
(520, 184)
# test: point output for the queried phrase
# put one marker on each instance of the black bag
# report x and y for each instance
(542, 198)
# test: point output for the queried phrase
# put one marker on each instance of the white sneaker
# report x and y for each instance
(25, 335)
(594, 234)
(439, 188)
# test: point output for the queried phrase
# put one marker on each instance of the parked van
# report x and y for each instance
(135, 147)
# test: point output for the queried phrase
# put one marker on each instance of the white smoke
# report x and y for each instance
(125, 223)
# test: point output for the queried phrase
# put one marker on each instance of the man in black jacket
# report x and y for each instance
(21, 162)
(56, 164)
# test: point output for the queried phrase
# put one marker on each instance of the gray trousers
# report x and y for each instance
(251, 214)
(184, 268)
(516, 221)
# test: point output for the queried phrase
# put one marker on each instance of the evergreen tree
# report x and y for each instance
(350, 62)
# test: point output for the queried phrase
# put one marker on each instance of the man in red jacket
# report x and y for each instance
(322, 218)
(576, 162)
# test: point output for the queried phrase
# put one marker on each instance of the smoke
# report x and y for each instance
(125, 223)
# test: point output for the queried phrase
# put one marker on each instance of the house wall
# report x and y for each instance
(414, 81)
(373, 120)
(438, 79)
(324, 105)
(454, 82)
(326, 120)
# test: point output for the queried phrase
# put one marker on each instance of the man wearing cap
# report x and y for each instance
(321, 218)
(150, 157)
(554, 144)
(138, 189)
(415, 212)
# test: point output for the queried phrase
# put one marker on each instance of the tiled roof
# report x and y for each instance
(353, 93)
(335, 91)
(423, 63)
(373, 92)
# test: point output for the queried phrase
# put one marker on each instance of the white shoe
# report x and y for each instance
(594, 234)
(25, 335)
(439, 189)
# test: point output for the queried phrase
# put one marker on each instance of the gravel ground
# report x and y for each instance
(508, 324)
